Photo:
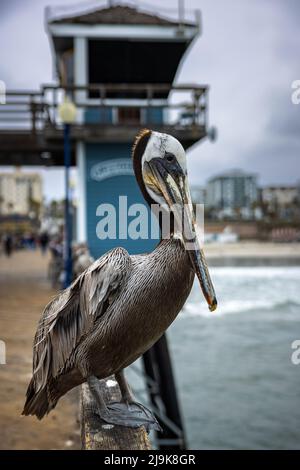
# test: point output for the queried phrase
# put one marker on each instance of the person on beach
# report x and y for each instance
(44, 241)
(8, 244)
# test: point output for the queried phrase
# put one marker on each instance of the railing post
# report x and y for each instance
(149, 104)
(206, 107)
(33, 114)
(54, 94)
(102, 93)
(195, 107)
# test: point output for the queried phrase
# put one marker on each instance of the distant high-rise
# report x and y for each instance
(232, 190)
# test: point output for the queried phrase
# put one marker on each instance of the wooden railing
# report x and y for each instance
(96, 434)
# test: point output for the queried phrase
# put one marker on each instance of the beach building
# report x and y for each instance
(20, 193)
(280, 196)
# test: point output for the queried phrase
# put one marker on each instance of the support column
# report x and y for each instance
(80, 73)
(81, 79)
(81, 193)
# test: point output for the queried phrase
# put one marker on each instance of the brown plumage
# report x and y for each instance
(107, 318)
(111, 314)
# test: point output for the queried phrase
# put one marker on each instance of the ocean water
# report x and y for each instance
(237, 385)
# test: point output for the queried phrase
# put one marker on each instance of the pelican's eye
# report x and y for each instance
(170, 157)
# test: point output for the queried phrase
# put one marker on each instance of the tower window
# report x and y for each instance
(129, 115)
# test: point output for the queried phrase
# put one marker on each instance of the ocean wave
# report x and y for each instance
(237, 306)
(258, 272)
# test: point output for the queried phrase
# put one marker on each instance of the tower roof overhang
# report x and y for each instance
(134, 46)
(117, 15)
(121, 22)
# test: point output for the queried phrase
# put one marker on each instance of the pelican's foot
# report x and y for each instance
(132, 415)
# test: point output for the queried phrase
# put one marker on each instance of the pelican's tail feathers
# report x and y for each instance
(37, 402)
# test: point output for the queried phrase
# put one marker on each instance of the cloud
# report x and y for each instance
(246, 59)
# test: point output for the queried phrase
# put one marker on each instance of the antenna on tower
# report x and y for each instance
(181, 14)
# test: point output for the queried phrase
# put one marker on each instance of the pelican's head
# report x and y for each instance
(160, 167)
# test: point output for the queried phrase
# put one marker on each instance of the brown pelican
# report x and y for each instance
(121, 305)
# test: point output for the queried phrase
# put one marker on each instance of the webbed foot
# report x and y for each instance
(131, 415)
(127, 413)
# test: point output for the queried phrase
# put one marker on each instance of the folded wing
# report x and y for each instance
(70, 317)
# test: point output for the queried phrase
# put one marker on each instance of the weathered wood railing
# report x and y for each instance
(31, 130)
(35, 110)
(96, 434)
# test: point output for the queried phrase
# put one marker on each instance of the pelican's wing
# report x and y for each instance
(71, 315)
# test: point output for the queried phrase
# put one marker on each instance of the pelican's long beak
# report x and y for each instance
(169, 181)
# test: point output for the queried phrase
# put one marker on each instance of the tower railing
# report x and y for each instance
(128, 105)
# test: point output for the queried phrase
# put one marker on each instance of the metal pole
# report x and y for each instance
(68, 218)
(149, 368)
(158, 366)
(168, 392)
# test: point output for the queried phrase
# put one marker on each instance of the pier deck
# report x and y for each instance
(24, 292)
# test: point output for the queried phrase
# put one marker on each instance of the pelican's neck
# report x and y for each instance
(174, 243)
(171, 256)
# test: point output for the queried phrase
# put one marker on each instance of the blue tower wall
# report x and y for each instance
(107, 189)
(98, 115)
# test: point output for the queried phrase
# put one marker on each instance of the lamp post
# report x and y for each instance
(67, 113)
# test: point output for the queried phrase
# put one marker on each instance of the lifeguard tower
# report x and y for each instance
(118, 64)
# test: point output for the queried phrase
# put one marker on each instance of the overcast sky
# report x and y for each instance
(248, 54)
